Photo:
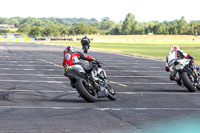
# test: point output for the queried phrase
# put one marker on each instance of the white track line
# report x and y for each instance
(27, 69)
(132, 71)
(44, 91)
(38, 75)
(158, 93)
(22, 65)
(57, 77)
(108, 59)
(123, 93)
(32, 81)
(17, 69)
(145, 83)
(157, 67)
(137, 76)
(119, 66)
(135, 71)
(61, 76)
(17, 61)
(123, 63)
(132, 67)
(98, 109)
(61, 82)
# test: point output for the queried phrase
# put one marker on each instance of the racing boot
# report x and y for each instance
(174, 78)
(178, 81)
(94, 78)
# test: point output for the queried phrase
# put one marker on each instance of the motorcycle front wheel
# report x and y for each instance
(187, 82)
(111, 93)
(86, 49)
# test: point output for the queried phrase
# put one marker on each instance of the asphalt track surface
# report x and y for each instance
(36, 97)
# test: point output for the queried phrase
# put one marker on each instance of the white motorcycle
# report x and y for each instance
(188, 74)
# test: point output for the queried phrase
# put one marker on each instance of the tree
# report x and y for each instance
(14, 21)
(79, 28)
(35, 31)
(93, 30)
(182, 26)
(24, 28)
(106, 23)
(54, 30)
(116, 30)
(47, 31)
(63, 30)
(140, 29)
(129, 25)
(161, 29)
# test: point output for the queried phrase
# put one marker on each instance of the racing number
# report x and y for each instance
(66, 69)
(75, 60)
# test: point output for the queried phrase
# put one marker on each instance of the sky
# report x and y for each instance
(116, 10)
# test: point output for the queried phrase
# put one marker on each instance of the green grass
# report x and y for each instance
(10, 29)
(13, 29)
(155, 50)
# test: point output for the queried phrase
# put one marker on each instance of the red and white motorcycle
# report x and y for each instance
(88, 88)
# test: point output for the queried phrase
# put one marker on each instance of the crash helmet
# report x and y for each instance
(175, 48)
(69, 49)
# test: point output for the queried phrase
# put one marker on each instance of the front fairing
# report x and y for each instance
(182, 63)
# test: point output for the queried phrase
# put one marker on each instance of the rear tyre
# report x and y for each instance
(187, 82)
(87, 94)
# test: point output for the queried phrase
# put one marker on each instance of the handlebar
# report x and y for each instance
(96, 62)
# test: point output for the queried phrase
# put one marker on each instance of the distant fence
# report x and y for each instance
(17, 39)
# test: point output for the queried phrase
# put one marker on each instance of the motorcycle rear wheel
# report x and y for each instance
(187, 82)
(87, 94)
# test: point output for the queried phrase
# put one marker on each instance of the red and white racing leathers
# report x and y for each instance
(72, 58)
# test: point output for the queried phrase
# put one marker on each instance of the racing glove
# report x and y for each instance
(191, 57)
(98, 61)
(166, 68)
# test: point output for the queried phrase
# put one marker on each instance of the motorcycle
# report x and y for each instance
(188, 74)
(85, 46)
(88, 88)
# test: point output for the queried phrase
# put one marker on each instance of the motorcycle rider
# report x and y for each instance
(73, 58)
(85, 40)
(175, 54)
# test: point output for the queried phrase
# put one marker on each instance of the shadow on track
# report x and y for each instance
(43, 97)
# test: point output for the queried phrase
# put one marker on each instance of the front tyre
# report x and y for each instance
(86, 49)
(187, 82)
(111, 93)
(198, 87)
(85, 92)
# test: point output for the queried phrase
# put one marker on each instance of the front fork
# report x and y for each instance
(99, 86)
(195, 74)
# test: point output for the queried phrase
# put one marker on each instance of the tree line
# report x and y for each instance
(60, 27)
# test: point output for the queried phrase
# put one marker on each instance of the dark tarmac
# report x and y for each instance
(35, 97)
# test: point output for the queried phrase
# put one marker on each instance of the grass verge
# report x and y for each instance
(158, 50)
